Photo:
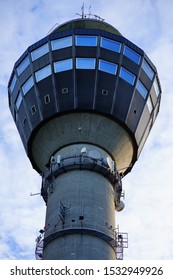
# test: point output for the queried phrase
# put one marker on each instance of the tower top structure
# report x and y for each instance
(116, 78)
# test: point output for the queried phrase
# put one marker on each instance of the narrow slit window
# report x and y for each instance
(28, 85)
(147, 69)
(61, 43)
(127, 76)
(150, 104)
(132, 55)
(43, 73)
(156, 87)
(85, 63)
(110, 45)
(23, 65)
(63, 65)
(89, 41)
(40, 52)
(141, 89)
(18, 100)
(108, 67)
(13, 82)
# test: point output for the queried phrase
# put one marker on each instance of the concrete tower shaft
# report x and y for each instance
(84, 100)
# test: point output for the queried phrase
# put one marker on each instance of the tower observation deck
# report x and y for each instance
(84, 100)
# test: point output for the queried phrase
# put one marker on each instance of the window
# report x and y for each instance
(28, 85)
(63, 65)
(147, 69)
(13, 82)
(132, 55)
(110, 45)
(40, 52)
(156, 87)
(142, 89)
(43, 73)
(85, 63)
(90, 41)
(33, 110)
(127, 76)
(47, 99)
(61, 43)
(108, 67)
(150, 104)
(18, 100)
(23, 65)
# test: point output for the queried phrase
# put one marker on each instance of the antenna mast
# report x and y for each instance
(89, 15)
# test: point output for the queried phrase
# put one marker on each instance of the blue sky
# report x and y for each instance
(148, 214)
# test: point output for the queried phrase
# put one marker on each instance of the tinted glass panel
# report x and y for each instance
(127, 76)
(28, 85)
(13, 82)
(40, 52)
(22, 66)
(110, 45)
(43, 73)
(61, 43)
(85, 63)
(132, 55)
(18, 100)
(142, 89)
(147, 69)
(86, 41)
(63, 65)
(156, 87)
(149, 104)
(108, 67)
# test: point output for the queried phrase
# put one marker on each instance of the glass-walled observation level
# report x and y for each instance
(102, 72)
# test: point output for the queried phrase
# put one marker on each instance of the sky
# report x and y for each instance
(148, 214)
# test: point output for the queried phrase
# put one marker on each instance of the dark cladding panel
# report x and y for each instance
(32, 108)
(85, 86)
(65, 90)
(130, 65)
(46, 97)
(145, 80)
(41, 62)
(135, 111)
(62, 54)
(22, 122)
(86, 51)
(105, 92)
(109, 55)
(124, 94)
(144, 120)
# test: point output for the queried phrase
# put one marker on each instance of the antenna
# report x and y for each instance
(89, 15)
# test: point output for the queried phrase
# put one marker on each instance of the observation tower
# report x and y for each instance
(84, 99)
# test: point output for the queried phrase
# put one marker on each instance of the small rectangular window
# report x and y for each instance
(18, 100)
(110, 45)
(142, 89)
(85, 63)
(13, 82)
(33, 110)
(23, 65)
(43, 73)
(134, 56)
(147, 69)
(40, 52)
(108, 67)
(63, 65)
(28, 85)
(89, 41)
(127, 76)
(61, 43)
(150, 104)
(47, 99)
(156, 87)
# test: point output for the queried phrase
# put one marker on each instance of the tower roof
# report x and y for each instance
(86, 23)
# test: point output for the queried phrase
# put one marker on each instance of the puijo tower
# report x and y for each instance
(84, 99)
